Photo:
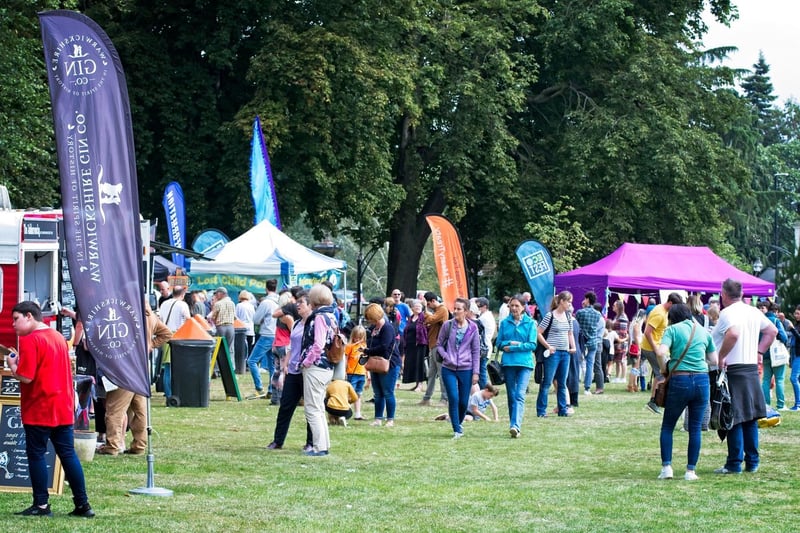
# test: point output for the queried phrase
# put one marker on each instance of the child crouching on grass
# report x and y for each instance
(478, 402)
(338, 397)
(356, 373)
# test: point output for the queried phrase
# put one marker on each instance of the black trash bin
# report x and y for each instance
(240, 349)
(191, 365)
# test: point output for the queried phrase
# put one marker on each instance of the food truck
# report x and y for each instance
(33, 265)
(31, 260)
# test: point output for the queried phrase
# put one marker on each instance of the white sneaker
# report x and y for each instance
(690, 475)
(457, 435)
(666, 472)
(514, 433)
(587, 392)
(342, 421)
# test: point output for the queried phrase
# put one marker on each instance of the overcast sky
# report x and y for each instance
(770, 26)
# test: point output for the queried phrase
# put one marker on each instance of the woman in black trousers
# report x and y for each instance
(292, 380)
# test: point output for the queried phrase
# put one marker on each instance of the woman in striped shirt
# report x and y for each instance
(560, 343)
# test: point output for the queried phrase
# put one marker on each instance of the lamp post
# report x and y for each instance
(326, 247)
(796, 227)
(757, 267)
(775, 222)
(362, 262)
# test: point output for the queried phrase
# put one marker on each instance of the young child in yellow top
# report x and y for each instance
(356, 373)
(338, 397)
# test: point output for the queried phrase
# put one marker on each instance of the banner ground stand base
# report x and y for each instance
(150, 489)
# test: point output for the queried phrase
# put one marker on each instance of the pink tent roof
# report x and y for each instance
(659, 267)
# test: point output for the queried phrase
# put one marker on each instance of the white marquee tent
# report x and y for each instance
(263, 251)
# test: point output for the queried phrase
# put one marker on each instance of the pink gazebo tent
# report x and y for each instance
(634, 268)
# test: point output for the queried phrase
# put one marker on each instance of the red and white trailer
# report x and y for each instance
(30, 264)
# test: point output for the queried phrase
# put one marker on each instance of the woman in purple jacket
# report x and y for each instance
(459, 347)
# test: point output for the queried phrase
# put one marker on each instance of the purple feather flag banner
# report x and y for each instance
(263, 187)
(99, 190)
(175, 209)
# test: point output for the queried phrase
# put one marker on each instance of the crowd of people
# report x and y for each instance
(424, 345)
(419, 342)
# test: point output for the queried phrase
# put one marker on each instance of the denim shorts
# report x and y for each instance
(357, 381)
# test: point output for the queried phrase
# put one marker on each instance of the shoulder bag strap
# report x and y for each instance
(449, 326)
(686, 349)
(546, 331)
(170, 309)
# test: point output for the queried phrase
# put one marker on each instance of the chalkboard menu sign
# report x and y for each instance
(14, 475)
(9, 386)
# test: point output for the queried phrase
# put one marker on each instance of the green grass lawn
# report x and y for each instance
(595, 471)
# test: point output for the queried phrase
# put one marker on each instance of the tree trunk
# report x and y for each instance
(405, 249)
(407, 239)
(409, 231)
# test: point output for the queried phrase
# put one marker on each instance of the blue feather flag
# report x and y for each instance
(175, 209)
(537, 265)
(261, 182)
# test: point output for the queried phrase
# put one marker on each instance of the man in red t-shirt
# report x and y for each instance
(47, 406)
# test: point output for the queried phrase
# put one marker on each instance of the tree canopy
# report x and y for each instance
(516, 119)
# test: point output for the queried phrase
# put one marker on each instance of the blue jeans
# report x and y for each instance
(794, 379)
(383, 387)
(589, 376)
(555, 367)
(36, 438)
(457, 383)
(743, 446)
(357, 381)
(166, 379)
(262, 353)
(483, 374)
(685, 390)
(517, 378)
(779, 373)
(574, 379)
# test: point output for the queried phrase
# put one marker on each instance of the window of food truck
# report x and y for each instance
(40, 279)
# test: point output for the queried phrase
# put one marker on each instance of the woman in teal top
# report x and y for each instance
(688, 384)
(516, 340)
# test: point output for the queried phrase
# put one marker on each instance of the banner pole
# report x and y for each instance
(150, 489)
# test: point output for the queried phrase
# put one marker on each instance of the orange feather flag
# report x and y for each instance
(449, 256)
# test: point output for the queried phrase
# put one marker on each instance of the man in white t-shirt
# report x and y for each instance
(742, 335)
(174, 312)
(486, 318)
(503, 312)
